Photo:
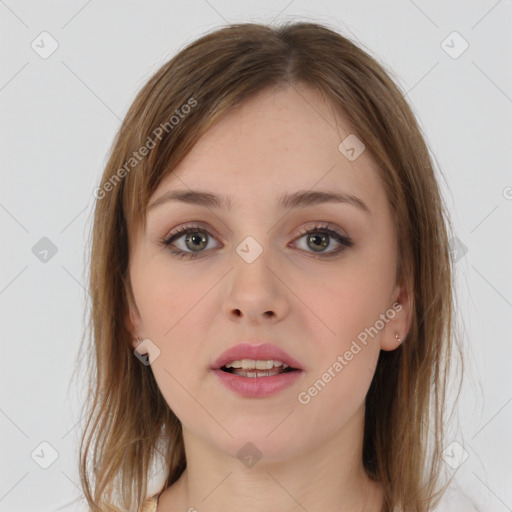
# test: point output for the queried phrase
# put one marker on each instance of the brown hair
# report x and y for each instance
(128, 420)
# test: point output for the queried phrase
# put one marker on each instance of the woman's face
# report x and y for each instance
(258, 278)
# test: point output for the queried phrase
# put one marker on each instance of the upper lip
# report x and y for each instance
(262, 351)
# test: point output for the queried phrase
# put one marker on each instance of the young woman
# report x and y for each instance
(272, 288)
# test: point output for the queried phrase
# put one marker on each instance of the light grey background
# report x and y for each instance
(59, 115)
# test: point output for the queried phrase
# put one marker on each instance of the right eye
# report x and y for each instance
(195, 240)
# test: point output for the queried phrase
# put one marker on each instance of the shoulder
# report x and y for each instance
(454, 500)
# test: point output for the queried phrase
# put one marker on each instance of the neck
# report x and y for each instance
(327, 476)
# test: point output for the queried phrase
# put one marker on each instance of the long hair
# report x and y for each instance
(128, 420)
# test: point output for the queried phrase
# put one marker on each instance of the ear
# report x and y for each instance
(400, 323)
(132, 319)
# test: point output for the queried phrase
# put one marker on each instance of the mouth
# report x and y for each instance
(257, 369)
(257, 378)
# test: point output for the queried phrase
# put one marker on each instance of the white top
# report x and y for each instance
(454, 500)
(451, 501)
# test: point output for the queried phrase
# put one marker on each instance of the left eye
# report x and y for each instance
(318, 239)
(196, 239)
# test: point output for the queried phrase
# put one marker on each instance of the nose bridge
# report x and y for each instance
(254, 286)
(252, 259)
(252, 234)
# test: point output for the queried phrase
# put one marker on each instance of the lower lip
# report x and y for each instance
(257, 387)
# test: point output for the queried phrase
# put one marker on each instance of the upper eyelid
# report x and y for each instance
(200, 227)
(182, 230)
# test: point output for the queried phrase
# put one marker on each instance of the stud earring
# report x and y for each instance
(398, 338)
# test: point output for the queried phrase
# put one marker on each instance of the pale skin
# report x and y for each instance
(279, 142)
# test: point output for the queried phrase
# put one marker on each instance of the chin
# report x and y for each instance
(252, 447)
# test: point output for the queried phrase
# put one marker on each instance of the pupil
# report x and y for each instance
(324, 241)
(196, 239)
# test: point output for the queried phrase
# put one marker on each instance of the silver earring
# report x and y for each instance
(398, 338)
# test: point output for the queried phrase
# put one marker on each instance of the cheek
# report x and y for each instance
(346, 301)
(349, 305)
(365, 289)
(175, 309)
(167, 297)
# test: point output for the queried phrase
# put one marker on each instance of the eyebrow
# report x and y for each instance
(299, 199)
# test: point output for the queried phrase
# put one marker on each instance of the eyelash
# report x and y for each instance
(324, 229)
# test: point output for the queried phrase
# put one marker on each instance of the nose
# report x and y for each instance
(256, 292)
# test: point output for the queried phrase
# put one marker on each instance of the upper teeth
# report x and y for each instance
(251, 364)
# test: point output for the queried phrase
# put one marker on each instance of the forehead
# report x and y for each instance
(283, 139)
